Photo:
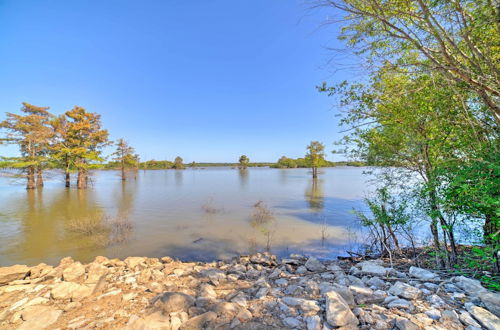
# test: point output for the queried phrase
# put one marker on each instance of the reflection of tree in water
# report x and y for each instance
(178, 178)
(315, 195)
(243, 175)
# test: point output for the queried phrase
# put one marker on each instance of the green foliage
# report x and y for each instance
(156, 165)
(243, 161)
(178, 165)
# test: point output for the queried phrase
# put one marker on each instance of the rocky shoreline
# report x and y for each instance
(249, 292)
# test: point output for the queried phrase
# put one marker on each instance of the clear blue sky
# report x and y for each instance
(208, 80)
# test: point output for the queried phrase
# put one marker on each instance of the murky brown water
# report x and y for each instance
(198, 214)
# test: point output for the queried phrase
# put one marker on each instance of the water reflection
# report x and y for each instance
(315, 195)
(243, 176)
(149, 216)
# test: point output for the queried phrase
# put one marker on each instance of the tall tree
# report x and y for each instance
(60, 150)
(125, 156)
(33, 134)
(315, 156)
(458, 38)
(85, 140)
(178, 163)
(244, 160)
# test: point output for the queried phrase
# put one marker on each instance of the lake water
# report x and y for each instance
(194, 214)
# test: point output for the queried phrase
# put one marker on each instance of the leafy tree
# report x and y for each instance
(125, 156)
(85, 139)
(244, 160)
(193, 164)
(60, 150)
(32, 133)
(315, 156)
(458, 38)
(178, 165)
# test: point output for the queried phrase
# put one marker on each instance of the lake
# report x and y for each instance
(192, 214)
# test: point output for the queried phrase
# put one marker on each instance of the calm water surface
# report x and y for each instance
(167, 214)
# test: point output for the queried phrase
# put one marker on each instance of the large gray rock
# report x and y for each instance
(338, 313)
(314, 265)
(492, 302)
(404, 290)
(307, 306)
(313, 322)
(423, 274)
(485, 318)
(469, 285)
(372, 268)
(172, 302)
(12, 273)
(404, 324)
(399, 303)
(292, 323)
(39, 317)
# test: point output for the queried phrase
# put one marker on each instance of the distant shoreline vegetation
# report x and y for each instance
(295, 163)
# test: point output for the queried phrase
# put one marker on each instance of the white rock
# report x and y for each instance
(404, 290)
(485, 318)
(338, 313)
(423, 274)
(314, 265)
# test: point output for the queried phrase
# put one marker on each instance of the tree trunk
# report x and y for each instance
(39, 177)
(315, 172)
(490, 228)
(81, 181)
(67, 179)
(123, 172)
(31, 178)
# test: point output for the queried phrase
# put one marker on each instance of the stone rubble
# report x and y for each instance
(248, 292)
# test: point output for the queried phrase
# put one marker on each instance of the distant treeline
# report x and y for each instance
(285, 162)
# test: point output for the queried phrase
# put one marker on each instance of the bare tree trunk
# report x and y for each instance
(67, 179)
(315, 172)
(123, 172)
(394, 238)
(39, 176)
(31, 178)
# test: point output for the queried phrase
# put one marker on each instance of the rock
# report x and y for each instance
(399, 303)
(307, 306)
(155, 321)
(175, 302)
(70, 290)
(244, 315)
(40, 270)
(199, 322)
(313, 322)
(492, 302)
(404, 290)
(292, 323)
(404, 324)
(485, 318)
(376, 282)
(12, 273)
(134, 262)
(433, 313)
(467, 319)
(469, 285)
(436, 300)
(338, 313)
(95, 272)
(39, 317)
(281, 282)
(314, 265)
(372, 268)
(301, 270)
(423, 274)
(74, 272)
(346, 293)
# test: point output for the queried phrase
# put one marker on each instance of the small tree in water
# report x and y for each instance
(33, 134)
(124, 154)
(244, 160)
(315, 156)
(178, 165)
(85, 140)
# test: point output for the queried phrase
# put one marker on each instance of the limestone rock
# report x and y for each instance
(469, 285)
(74, 272)
(199, 322)
(485, 318)
(404, 290)
(423, 274)
(176, 302)
(39, 317)
(492, 302)
(314, 265)
(70, 290)
(372, 268)
(12, 273)
(338, 313)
